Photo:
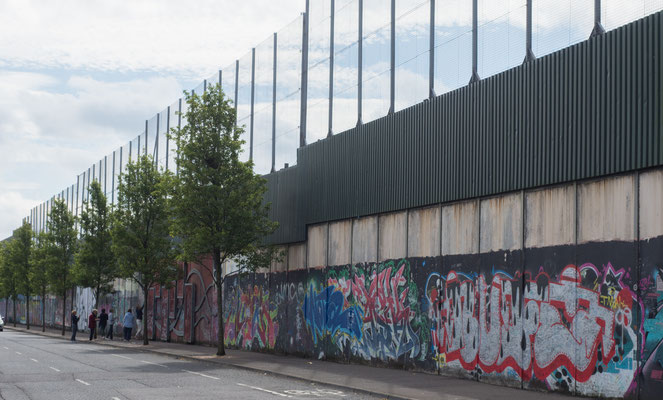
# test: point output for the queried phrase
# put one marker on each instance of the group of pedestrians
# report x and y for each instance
(104, 323)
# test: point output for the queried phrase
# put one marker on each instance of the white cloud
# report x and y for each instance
(192, 38)
(51, 129)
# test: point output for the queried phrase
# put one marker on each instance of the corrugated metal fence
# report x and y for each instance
(589, 110)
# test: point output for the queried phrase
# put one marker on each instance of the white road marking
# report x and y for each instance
(203, 375)
(54, 369)
(6, 348)
(263, 390)
(83, 382)
(115, 398)
(125, 357)
(153, 363)
(34, 360)
(19, 353)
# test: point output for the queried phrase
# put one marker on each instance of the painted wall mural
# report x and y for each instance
(567, 319)
(583, 319)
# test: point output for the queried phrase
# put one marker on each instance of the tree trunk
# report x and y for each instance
(14, 304)
(64, 309)
(43, 310)
(144, 321)
(6, 308)
(27, 312)
(216, 260)
(96, 307)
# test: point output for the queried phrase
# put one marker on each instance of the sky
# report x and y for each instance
(79, 78)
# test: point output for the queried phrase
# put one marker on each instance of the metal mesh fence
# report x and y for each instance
(372, 69)
(346, 64)
(412, 52)
(317, 107)
(262, 118)
(501, 35)
(288, 92)
(244, 102)
(376, 62)
(560, 23)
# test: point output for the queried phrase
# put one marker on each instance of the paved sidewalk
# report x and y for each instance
(390, 383)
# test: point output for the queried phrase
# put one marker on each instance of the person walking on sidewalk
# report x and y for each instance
(74, 325)
(127, 325)
(92, 323)
(139, 321)
(111, 322)
(103, 320)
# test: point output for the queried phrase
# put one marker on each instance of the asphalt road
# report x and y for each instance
(36, 367)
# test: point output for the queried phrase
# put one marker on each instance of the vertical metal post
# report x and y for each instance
(304, 85)
(220, 79)
(431, 52)
(598, 27)
(179, 124)
(167, 133)
(105, 173)
(236, 87)
(120, 169)
(392, 60)
(529, 54)
(156, 142)
(78, 187)
(331, 67)
(89, 181)
(146, 141)
(360, 60)
(138, 149)
(204, 85)
(253, 94)
(475, 42)
(113, 180)
(274, 106)
(130, 145)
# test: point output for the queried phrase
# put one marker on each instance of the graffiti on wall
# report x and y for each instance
(579, 325)
(592, 328)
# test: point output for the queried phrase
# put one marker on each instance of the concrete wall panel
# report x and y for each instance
(550, 217)
(297, 256)
(364, 239)
(501, 223)
(340, 242)
(651, 204)
(460, 228)
(606, 210)
(316, 246)
(424, 232)
(393, 236)
(282, 265)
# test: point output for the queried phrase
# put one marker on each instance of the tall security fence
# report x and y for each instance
(343, 63)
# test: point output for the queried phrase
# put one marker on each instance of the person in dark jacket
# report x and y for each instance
(74, 325)
(92, 323)
(103, 320)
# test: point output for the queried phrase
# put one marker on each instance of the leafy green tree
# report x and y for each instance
(94, 263)
(62, 238)
(3, 291)
(218, 201)
(8, 279)
(42, 257)
(19, 260)
(140, 232)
